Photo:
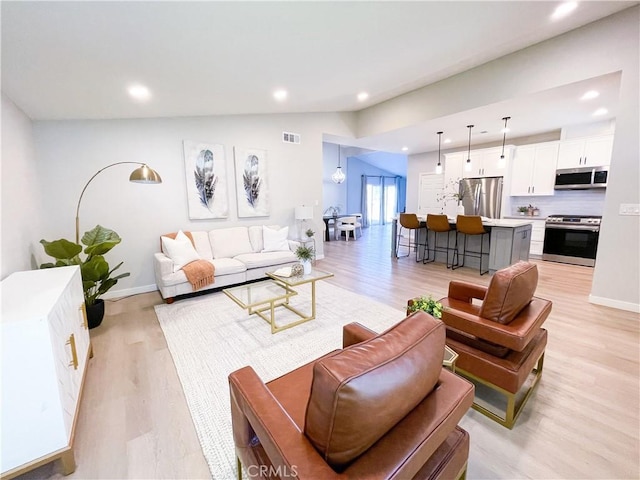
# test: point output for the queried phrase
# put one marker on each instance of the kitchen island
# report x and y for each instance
(509, 241)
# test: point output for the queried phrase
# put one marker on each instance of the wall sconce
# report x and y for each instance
(142, 174)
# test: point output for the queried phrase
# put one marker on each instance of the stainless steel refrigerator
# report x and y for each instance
(482, 196)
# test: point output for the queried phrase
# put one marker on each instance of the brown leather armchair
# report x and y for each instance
(382, 407)
(500, 343)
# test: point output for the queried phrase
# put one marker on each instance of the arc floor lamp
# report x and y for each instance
(142, 174)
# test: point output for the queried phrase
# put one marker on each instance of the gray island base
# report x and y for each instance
(508, 242)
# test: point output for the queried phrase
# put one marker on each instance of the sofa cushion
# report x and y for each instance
(227, 266)
(267, 259)
(256, 237)
(275, 240)
(202, 244)
(229, 242)
(361, 392)
(510, 290)
(180, 250)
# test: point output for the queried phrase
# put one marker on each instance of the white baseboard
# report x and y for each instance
(127, 292)
(608, 302)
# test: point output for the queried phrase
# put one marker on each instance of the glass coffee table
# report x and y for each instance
(449, 359)
(262, 298)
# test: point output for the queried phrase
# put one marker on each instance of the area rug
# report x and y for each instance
(209, 337)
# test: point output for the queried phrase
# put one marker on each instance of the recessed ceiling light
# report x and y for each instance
(563, 10)
(600, 111)
(590, 95)
(447, 140)
(404, 149)
(139, 92)
(280, 95)
(362, 96)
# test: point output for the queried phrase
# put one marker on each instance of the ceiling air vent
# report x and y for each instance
(290, 137)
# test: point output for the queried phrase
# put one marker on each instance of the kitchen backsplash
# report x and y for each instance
(564, 202)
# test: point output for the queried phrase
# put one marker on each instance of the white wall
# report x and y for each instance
(22, 192)
(602, 47)
(69, 152)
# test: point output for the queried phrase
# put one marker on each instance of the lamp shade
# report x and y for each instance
(304, 213)
(144, 174)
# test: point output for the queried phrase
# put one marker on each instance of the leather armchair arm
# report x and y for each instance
(466, 292)
(516, 335)
(355, 333)
(255, 409)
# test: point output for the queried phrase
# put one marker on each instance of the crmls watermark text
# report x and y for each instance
(269, 471)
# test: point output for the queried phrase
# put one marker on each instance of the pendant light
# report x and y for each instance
(467, 165)
(439, 166)
(502, 162)
(338, 176)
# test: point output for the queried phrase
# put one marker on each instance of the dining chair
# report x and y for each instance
(358, 221)
(347, 225)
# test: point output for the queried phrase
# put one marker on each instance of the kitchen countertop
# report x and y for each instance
(513, 222)
(526, 217)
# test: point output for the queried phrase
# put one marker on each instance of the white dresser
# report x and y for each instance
(45, 348)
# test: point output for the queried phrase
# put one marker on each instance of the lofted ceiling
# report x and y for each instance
(75, 60)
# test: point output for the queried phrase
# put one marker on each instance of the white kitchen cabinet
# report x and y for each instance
(537, 236)
(534, 169)
(585, 152)
(45, 347)
(487, 163)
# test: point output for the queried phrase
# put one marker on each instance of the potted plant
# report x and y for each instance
(332, 211)
(426, 304)
(305, 255)
(96, 275)
(523, 210)
(309, 233)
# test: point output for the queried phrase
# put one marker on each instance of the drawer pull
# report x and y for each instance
(84, 322)
(74, 354)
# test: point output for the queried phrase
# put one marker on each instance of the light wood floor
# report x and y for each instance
(582, 422)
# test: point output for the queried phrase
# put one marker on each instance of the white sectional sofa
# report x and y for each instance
(237, 253)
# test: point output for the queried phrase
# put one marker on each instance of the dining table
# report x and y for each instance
(326, 219)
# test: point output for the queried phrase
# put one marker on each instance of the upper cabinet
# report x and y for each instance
(585, 152)
(487, 163)
(534, 169)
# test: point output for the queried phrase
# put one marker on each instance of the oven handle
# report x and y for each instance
(583, 228)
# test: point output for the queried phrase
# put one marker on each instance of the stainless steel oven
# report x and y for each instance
(571, 239)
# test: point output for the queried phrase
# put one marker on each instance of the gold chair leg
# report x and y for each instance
(513, 409)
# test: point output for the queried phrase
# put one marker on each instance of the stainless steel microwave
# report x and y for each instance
(581, 178)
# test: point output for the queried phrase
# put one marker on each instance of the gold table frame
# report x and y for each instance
(262, 298)
(449, 358)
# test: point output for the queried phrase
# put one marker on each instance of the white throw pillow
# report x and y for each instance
(275, 240)
(180, 250)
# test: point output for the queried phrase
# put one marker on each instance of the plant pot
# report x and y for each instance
(95, 313)
(306, 264)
